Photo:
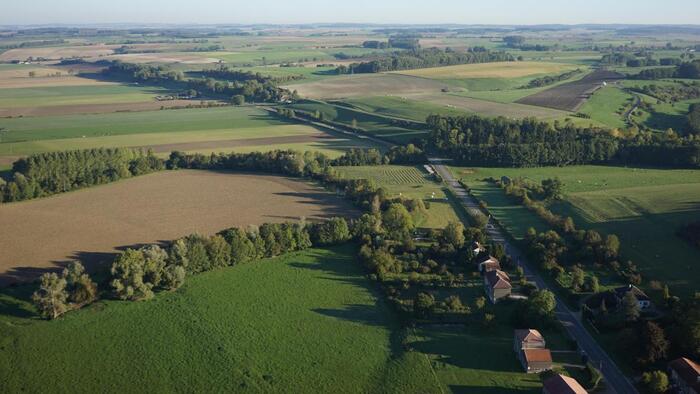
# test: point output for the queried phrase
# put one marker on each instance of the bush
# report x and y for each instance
(128, 273)
(333, 231)
(81, 289)
(51, 298)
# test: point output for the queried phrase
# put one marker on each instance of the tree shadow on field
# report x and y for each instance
(345, 268)
(96, 264)
(331, 205)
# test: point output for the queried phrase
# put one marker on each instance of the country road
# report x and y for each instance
(615, 379)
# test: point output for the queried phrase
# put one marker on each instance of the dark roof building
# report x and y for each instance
(560, 384)
(685, 375)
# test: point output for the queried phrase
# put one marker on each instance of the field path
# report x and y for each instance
(615, 379)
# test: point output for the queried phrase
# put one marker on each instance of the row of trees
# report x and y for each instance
(423, 58)
(689, 70)
(250, 87)
(44, 174)
(549, 80)
(502, 142)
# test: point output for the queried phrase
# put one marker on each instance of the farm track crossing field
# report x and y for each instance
(570, 96)
(89, 224)
(304, 322)
(490, 70)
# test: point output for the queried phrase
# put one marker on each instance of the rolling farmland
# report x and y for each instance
(89, 224)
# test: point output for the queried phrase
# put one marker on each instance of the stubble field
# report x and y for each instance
(89, 224)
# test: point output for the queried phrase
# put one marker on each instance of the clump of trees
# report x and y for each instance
(44, 174)
(688, 70)
(60, 293)
(691, 233)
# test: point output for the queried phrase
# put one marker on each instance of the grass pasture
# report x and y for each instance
(362, 85)
(305, 322)
(411, 182)
(644, 207)
(89, 224)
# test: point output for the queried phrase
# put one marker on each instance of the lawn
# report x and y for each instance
(306, 322)
(644, 207)
(412, 182)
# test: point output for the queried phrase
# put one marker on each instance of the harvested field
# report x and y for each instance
(367, 85)
(489, 70)
(44, 77)
(89, 224)
(571, 96)
(487, 108)
(71, 109)
(56, 53)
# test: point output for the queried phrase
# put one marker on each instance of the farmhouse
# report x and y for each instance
(642, 299)
(488, 263)
(685, 375)
(560, 384)
(528, 339)
(497, 285)
(535, 360)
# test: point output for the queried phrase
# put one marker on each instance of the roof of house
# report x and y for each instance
(560, 384)
(622, 290)
(537, 355)
(490, 266)
(483, 258)
(528, 335)
(498, 279)
(688, 370)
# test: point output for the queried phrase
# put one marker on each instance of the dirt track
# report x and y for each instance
(89, 224)
(570, 96)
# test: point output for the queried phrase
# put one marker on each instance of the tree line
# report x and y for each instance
(424, 58)
(688, 70)
(502, 142)
(44, 174)
(262, 89)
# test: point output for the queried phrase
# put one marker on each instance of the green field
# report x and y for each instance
(304, 322)
(644, 207)
(400, 107)
(608, 106)
(411, 182)
(77, 95)
(30, 135)
(381, 126)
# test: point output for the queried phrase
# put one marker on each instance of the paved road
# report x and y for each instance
(616, 380)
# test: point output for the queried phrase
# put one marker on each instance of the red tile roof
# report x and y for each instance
(528, 335)
(498, 280)
(561, 384)
(537, 355)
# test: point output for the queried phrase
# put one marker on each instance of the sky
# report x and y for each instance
(522, 12)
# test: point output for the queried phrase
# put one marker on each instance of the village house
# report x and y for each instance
(560, 384)
(642, 299)
(497, 285)
(535, 360)
(488, 263)
(528, 339)
(530, 347)
(685, 375)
